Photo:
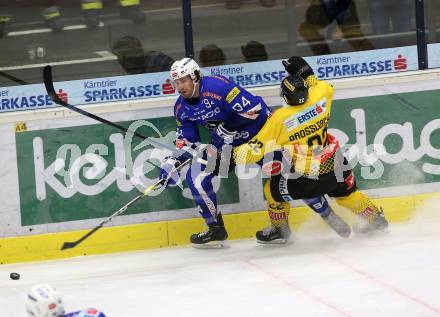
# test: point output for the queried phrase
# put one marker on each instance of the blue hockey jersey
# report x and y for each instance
(91, 312)
(220, 101)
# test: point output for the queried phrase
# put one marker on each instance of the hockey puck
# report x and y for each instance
(14, 276)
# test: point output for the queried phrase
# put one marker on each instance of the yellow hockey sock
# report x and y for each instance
(278, 212)
(359, 204)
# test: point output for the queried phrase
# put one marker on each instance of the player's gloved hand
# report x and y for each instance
(212, 124)
(168, 173)
(225, 134)
(296, 65)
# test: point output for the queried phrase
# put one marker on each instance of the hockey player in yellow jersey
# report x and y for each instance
(317, 167)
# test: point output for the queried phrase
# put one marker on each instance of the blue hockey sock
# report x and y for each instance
(319, 205)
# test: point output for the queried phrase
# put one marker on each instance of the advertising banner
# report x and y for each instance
(394, 139)
(84, 172)
(122, 88)
(434, 55)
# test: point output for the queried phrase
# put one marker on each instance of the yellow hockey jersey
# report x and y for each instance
(301, 131)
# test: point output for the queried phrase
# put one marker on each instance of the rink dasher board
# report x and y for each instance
(174, 233)
(153, 108)
(250, 194)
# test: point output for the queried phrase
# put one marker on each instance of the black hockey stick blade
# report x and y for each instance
(48, 83)
(70, 245)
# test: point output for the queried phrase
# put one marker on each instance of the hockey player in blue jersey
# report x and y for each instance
(45, 301)
(234, 117)
(231, 113)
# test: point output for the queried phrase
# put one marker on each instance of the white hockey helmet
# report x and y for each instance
(44, 301)
(185, 67)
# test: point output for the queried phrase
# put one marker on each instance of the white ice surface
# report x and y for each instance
(388, 275)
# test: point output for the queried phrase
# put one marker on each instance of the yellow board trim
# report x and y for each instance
(177, 232)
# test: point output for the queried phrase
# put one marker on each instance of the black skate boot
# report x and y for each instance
(377, 225)
(213, 238)
(274, 235)
(337, 224)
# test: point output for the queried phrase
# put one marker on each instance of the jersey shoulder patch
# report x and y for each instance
(234, 92)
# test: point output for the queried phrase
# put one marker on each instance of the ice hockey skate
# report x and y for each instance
(379, 224)
(337, 224)
(274, 235)
(213, 238)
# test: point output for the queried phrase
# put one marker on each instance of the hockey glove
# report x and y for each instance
(212, 124)
(225, 134)
(296, 65)
(166, 171)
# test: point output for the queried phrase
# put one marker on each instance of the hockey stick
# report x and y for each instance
(158, 184)
(48, 82)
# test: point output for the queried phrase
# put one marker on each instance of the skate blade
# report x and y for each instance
(212, 245)
(344, 234)
(276, 241)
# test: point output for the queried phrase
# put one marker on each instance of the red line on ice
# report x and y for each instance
(298, 288)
